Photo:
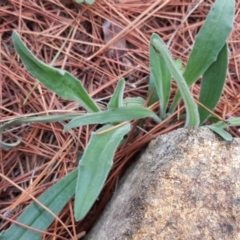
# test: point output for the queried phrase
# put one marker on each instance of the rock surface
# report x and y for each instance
(186, 185)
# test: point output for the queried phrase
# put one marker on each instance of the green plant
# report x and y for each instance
(87, 181)
(208, 59)
(87, 1)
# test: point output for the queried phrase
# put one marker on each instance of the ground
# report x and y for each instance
(75, 34)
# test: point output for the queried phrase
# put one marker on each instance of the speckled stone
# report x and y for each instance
(185, 186)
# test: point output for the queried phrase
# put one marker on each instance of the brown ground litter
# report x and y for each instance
(44, 27)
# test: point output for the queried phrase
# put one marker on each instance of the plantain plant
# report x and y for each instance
(86, 182)
(86, 1)
(209, 59)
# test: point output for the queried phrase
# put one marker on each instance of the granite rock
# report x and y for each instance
(185, 185)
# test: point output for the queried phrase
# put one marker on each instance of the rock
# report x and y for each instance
(186, 185)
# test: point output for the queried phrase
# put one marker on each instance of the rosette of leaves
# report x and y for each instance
(209, 59)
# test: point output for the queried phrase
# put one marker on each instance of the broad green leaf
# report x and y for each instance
(234, 121)
(51, 118)
(212, 84)
(117, 97)
(209, 42)
(192, 118)
(213, 119)
(52, 62)
(94, 167)
(152, 87)
(161, 76)
(59, 81)
(55, 198)
(224, 134)
(117, 115)
(179, 65)
(134, 101)
(220, 124)
(87, 1)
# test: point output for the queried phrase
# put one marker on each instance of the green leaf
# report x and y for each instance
(209, 42)
(234, 121)
(213, 119)
(161, 76)
(224, 134)
(59, 81)
(87, 1)
(43, 119)
(9, 146)
(94, 167)
(120, 114)
(152, 87)
(212, 84)
(55, 198)
(117, 97)
(134, 101)
(51, 118)
(220, 124)
(179, 65)
(192, 118)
